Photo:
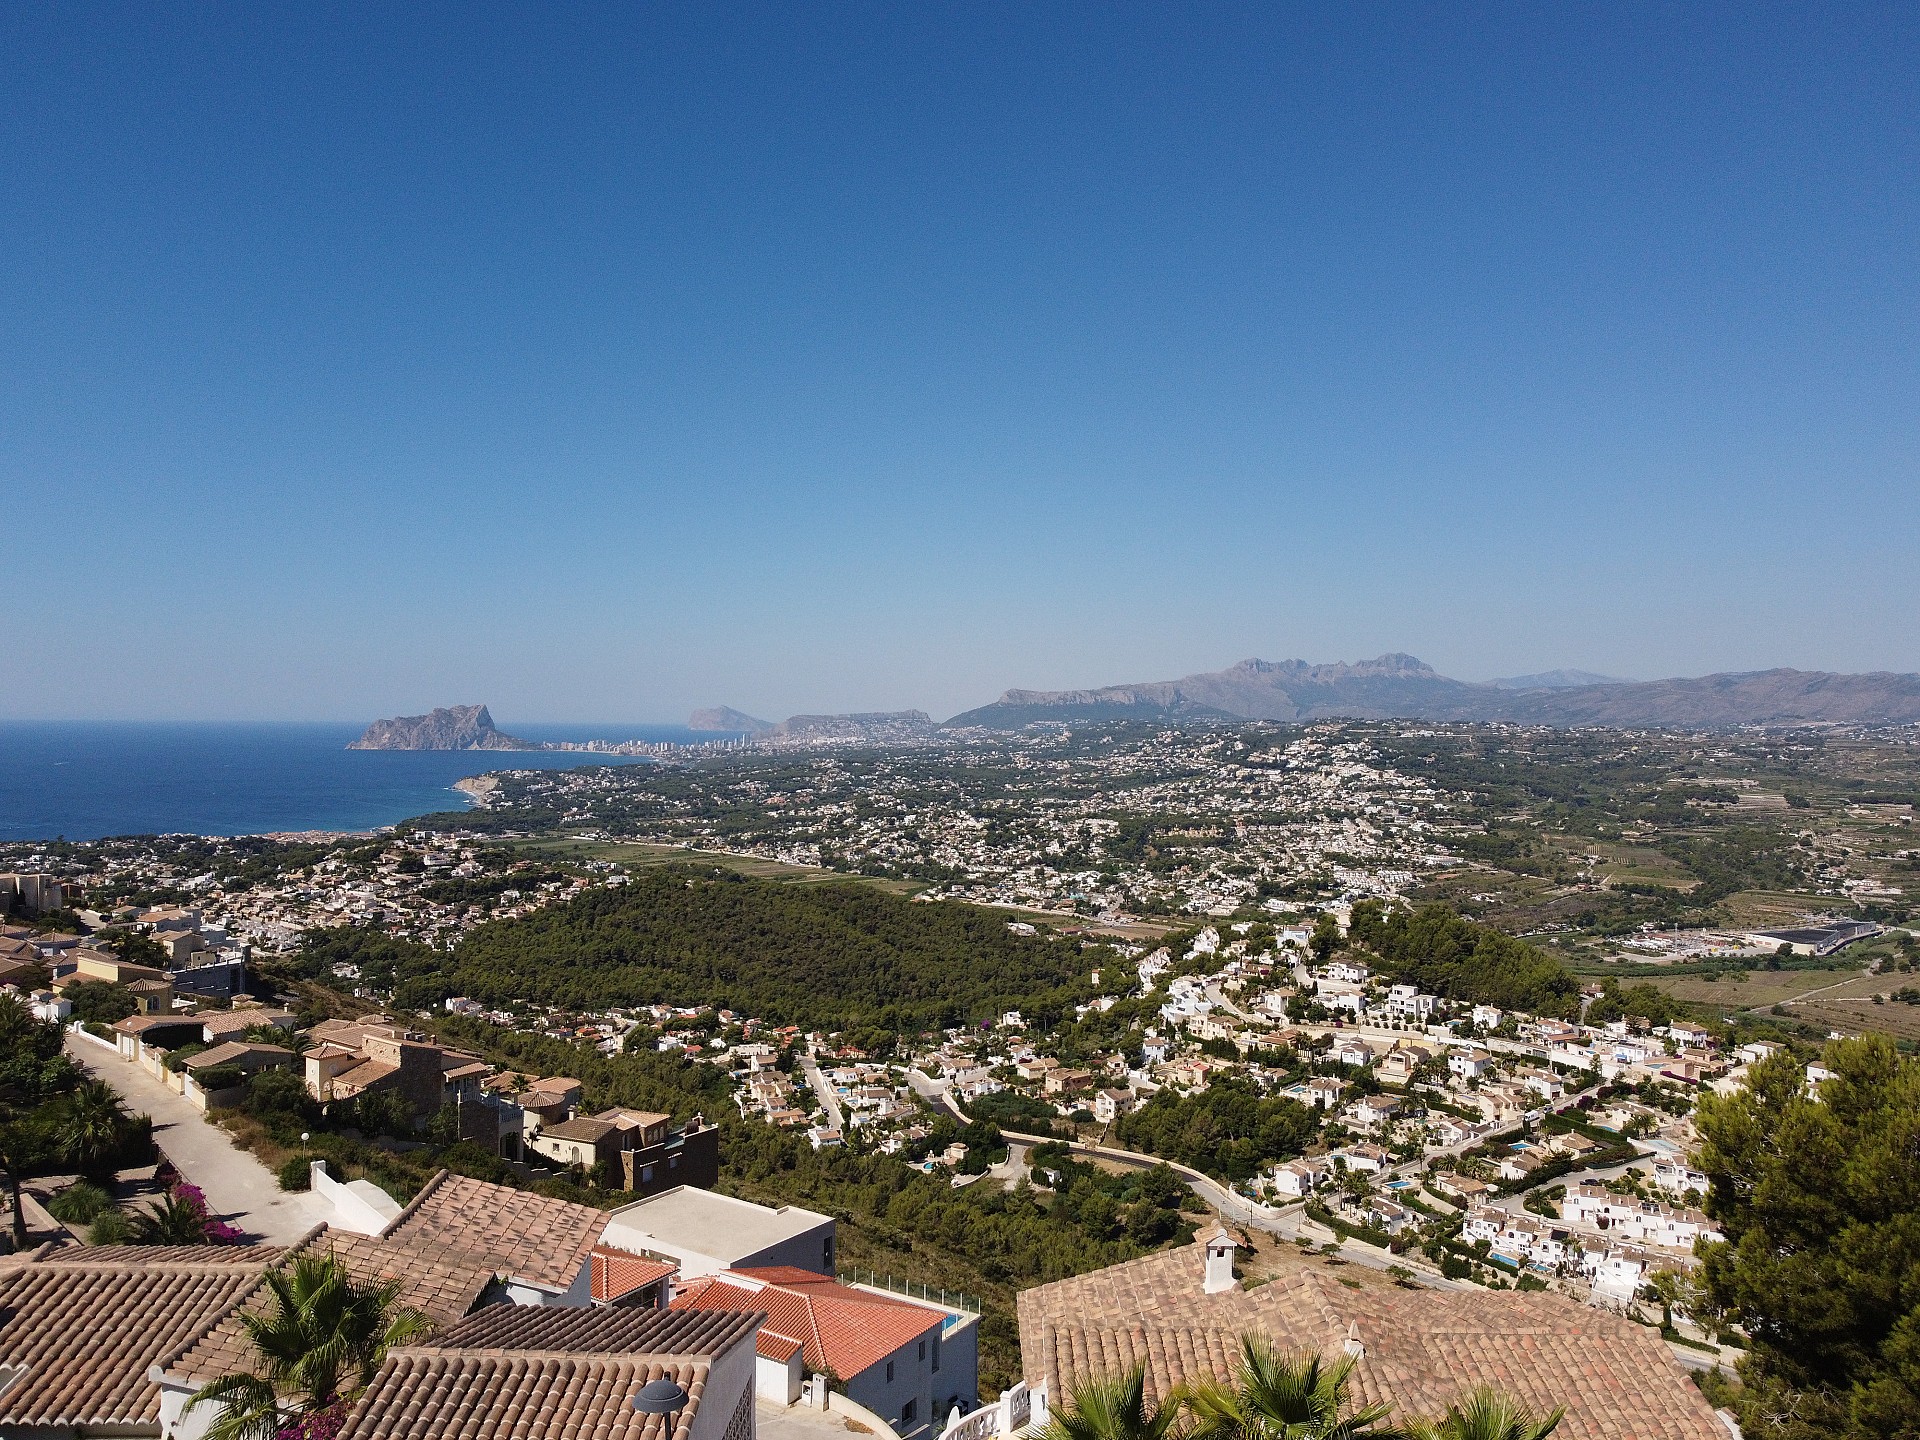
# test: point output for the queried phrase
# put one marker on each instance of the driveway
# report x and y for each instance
(239, 1189)
(822, 1091)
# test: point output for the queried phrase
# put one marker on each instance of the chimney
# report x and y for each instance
(1355, 1346)
(1219, 1260)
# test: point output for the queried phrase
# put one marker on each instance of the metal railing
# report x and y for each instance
(932, 1294)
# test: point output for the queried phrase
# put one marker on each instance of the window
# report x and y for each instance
(907, 1411)
(646, 1173)
(936, 1354)
(923, 1350)
(826, 1256)
(673, 1162)
(889, 1372)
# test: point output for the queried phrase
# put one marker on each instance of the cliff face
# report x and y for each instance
(455, 727)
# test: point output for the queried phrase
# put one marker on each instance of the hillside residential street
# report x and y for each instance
(239, 1189)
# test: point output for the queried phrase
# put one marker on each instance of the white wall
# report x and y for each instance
(779, 1380)
(358, 1205)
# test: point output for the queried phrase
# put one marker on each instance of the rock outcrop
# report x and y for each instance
(726, 718)
(453, 727)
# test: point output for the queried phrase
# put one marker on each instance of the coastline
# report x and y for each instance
(479, 789)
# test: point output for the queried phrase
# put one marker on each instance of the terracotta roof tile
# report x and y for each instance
(79, 1332)
(429, 1395)
(441, 1286)
(599, 1330)
(844, 1330)
(1423, 1348)
(521, 1235)
(620, 1272)
(547, 1373)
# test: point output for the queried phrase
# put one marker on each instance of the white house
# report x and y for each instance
(1299, 1178)
(1470, 1064)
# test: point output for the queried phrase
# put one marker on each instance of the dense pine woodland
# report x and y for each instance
(832, 956)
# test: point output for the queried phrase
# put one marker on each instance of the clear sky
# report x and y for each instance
(600, 361)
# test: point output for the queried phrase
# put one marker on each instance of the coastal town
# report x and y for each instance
(1412, 1108)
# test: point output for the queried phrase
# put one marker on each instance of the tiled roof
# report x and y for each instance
(364, 1074)
(620, 1272)
(429, 1395)
(582, 1128)
(229, 1051)
(440, 1286)
(600, 1330)
(843, 1329)
(775, 1346)
(1423, 1348)
(238, 1022)
(257, 1256)
(524, 1236)
(77, 1334)
(538, 1372)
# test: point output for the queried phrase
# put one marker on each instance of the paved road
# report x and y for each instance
(239, 1189)
(822, 1091)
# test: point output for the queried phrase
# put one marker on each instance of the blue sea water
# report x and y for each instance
(86, 780)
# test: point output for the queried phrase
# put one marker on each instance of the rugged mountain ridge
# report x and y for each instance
(450, 727)
(1400, 687)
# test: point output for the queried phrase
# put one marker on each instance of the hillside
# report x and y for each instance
(1401, 687)
(454, 727)
(831, 955)
(876, 728)
(725, 717)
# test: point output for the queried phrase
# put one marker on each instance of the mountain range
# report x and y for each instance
(1401, 687)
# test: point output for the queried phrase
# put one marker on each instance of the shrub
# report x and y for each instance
(279, 1092)
(111, 1227)
(296, 1173)
(78, 1204)
(220, 1077)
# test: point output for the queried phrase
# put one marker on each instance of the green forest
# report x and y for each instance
(833, 955)
(1445, 954)
(1229, 1130)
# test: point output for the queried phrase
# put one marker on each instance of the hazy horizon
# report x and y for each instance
(634, 359)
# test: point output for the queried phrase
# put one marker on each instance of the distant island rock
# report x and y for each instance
(726, 718)
(1401, 687)
(452, 727)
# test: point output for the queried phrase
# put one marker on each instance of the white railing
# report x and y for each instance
(1008, 1415)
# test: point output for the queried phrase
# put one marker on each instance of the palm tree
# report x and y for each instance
(319, 1339)
(1284, 1397)
(1487, 1415)
(173, 1220)
(1113, 1407)
(94, 1125)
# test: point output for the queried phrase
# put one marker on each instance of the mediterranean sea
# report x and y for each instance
(83, 781)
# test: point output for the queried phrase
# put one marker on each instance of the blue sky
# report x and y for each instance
(603, 361)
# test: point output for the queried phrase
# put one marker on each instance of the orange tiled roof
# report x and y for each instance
(842, 1329)
(1423, 1348)
(80, 1331)
(621, 1272)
